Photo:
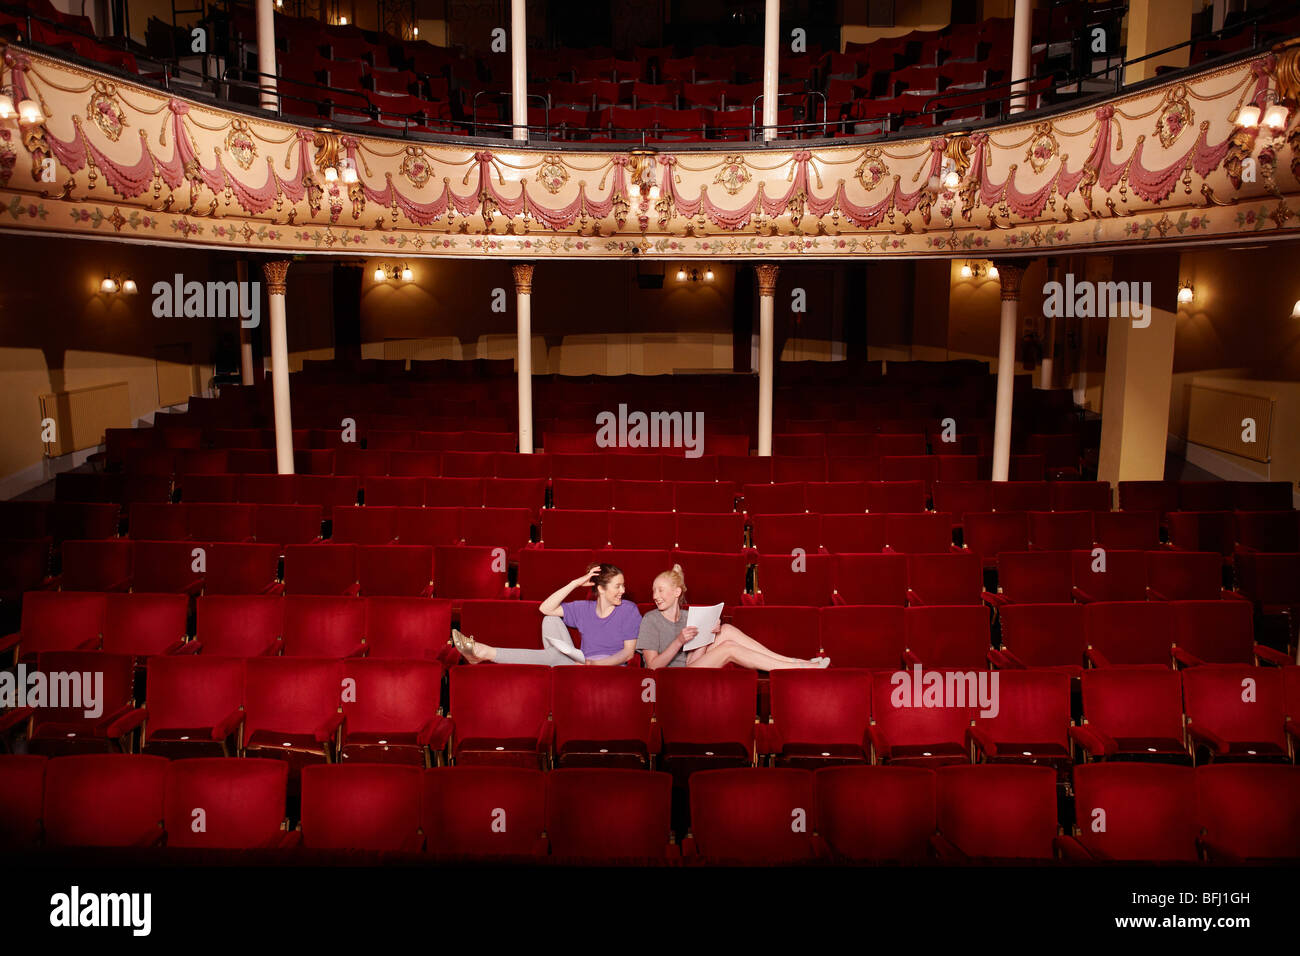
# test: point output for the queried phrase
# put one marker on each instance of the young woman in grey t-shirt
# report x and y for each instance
(730, 643)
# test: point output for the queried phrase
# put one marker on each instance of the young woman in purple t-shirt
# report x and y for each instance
(608, 626)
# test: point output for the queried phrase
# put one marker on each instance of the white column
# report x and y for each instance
(766, 310)
(771, 44)
(519, 69)
(1020, 43)
(1049, 331)
(245, 334)
(1009, 274)
(266, 53)
(524, 360)
(275, 275)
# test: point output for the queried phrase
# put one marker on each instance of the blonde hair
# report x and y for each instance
(675, 577)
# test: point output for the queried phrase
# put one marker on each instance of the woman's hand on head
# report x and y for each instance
(588, 578)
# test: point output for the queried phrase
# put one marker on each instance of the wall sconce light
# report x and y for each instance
(349, 174)
(29, 112)
(6, 106)
(111, 285)
(1248, 117)
(694, 275)
(343, 21)
(1295, 310)
(978, 270)
(391, 271)
(1186, 293)
(1275, 117)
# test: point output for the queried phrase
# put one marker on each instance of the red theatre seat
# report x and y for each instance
(903, 731)
(361, 807)
(500, 714)
(996, 813)
(1132, 712)
(240, 804)
(753, 815)
(1134, 812)
(602, 717)
(705, 717)
(818, 718)
(401, 628)
(876, 813)
(104, 800)
(194, 705)
(604, 816)
(485, 812)
(1237, 713)
(292, 709)
(392, 712)
(22, 786)
(865, 636)
(1248, 813)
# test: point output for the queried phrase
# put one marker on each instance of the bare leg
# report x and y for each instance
(723, 652)
(730, 632)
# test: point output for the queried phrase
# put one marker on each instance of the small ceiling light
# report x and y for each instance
(1248, 117)
(109, 285)
(966, 271)
(406, 273)
(331, 174)
(6, 106)
(30, 112)
(349, 174)
(128, 286)
(1185, 293)
(1275, 117)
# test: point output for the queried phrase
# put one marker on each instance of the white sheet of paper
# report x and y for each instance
(703, 619)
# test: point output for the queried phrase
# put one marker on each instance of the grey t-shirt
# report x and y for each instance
(657, 632)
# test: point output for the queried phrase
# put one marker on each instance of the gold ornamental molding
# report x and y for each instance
(1010, 272)
(523, 279)
(276, 273)
(1167, 164)
(767, 273)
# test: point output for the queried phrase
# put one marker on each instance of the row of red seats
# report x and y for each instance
(317, 709)
(143, 625)
(1222, 814)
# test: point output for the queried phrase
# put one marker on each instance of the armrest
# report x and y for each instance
(944, 850)
(358, 651)
(914, 599)
(89, 644)
(910, 659)
(1266, 654)
(10, 641)
(996, 600)
(291, 840)
(447, 656)
(983, 740)
(1154, 595)
(1068, 848)
(12, 718)
(427, 732)
(352, 589)
(672, 851)
(188, 647)
(127, 722)
(153, 837)
(878, 742)
(327, 730)
(275, 587)
(1186, 657)
(442, 734)
(228, 724)
(1227, 595)
(1082, 596)
(821, 849)
(1006, 660)
(1096, 657)
(767, 738)
(414, 843)
(545, 734)
(1207, 737)
(1096, 743)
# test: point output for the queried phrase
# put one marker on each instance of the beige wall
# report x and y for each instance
(908, 16)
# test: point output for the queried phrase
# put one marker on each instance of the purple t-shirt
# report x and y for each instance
(602, 637)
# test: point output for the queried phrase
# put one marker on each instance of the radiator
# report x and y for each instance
(81, 415)
(1214, 419)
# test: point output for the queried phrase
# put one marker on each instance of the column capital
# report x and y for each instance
(275, 273)
(1010, 273)
(523, 278)
(767, 273)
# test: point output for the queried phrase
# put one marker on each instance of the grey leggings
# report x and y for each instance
(552, 628)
